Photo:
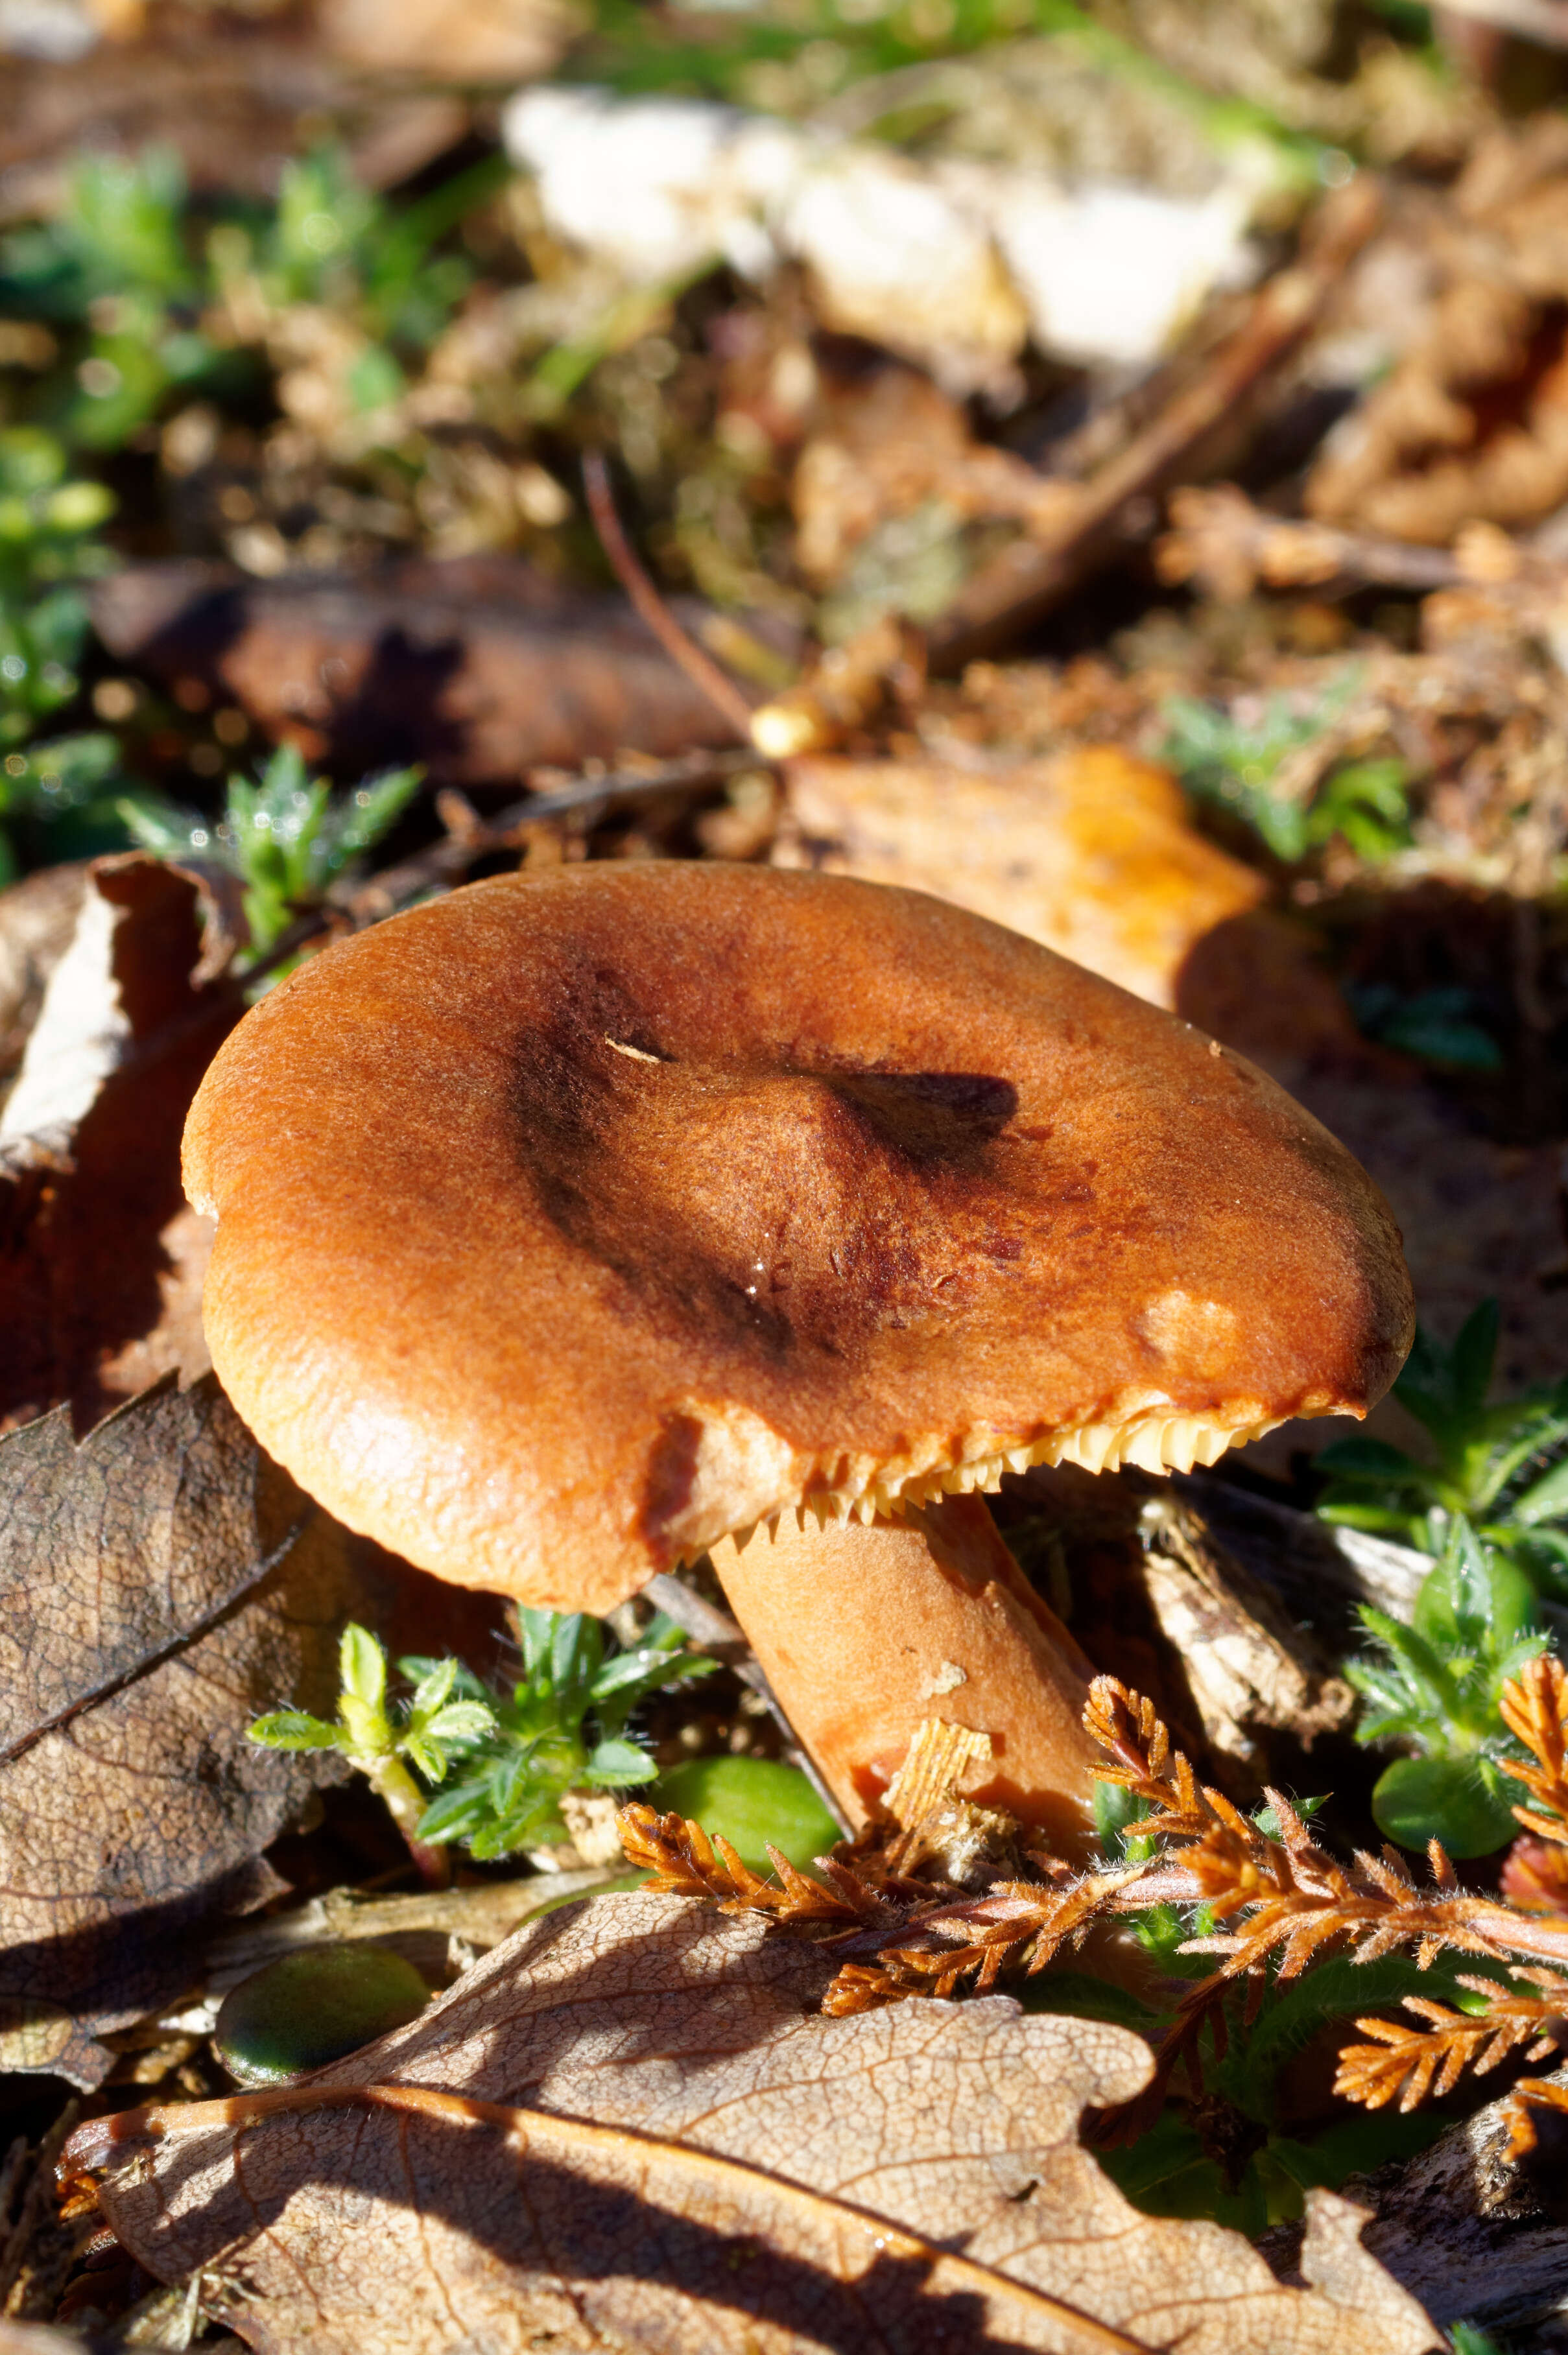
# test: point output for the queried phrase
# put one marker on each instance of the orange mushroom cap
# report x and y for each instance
(572, 1222)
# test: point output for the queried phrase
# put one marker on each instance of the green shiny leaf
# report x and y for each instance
(754, 1802)
(1465, 1802)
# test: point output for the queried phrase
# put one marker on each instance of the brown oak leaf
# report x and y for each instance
(629, 2125)
(161, 1583)
(102, 1258)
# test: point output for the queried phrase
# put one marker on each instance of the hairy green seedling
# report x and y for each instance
(129, 275)
(47, 549)
(285, 837)
(562, 1727)
(1434, 1687)
(1503, 1466)
(498, 1761)
(386, 1740)
(1236, 758)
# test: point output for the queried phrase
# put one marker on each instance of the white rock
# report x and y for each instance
(954, 262)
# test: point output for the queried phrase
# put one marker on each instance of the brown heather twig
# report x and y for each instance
(1019, 1925)
(1535, 1710)
(685, 1862)
(1414, 2061)
(1278, 1902)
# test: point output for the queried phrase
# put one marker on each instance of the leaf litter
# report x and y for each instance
(627, 2123)
(160, 1581)
(702, 2160)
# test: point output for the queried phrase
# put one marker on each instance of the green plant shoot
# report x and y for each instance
(46, 521)
(285, 837)
(1434, 1687)
(505, 1759)
(562, 1727)
(1504, 1466)
(384, 1739)
(1236, 759)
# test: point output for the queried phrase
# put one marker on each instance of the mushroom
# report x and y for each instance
(572, 1224)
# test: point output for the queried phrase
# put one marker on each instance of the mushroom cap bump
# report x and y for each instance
(572, 1222)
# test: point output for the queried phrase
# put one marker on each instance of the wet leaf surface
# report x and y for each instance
(629, 2125)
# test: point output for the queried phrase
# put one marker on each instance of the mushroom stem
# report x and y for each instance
(865, 1631)
(714, 1630)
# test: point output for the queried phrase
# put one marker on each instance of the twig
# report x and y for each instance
(726, 1640)
(700, 669)
(1031, 576)
(366, 902)
(1221, 539)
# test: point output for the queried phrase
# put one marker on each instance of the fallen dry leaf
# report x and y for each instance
(101, 1256)
(37, 918)
(151, 1605)
(480, 667)
(474, 40)
(229, 95)
(1091, 853)
(628, 2123)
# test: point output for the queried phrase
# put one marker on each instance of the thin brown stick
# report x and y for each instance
(700, 669)
(1228, 545)
(366, 901)
(1032, 575)
(725, 1639)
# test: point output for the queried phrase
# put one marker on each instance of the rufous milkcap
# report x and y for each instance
(569, 1223)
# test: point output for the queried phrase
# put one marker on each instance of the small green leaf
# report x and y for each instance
(362, 1664)
(306, 2008)
(461, 1720)
(293, 1729)
(1465, 1802)
(1114, 1809)
(433, 1690)
(755, 1803)
(613, 1763)
(1545, 1500)
(427, 1755)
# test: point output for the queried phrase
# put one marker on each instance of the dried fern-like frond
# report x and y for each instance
(1018, 1924)
(1139, 1757)
(1411, 2062)
(1535, 1876)
(1525, 2104)
(1298, 1900)
(1534, 1707)
(685, 1862)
